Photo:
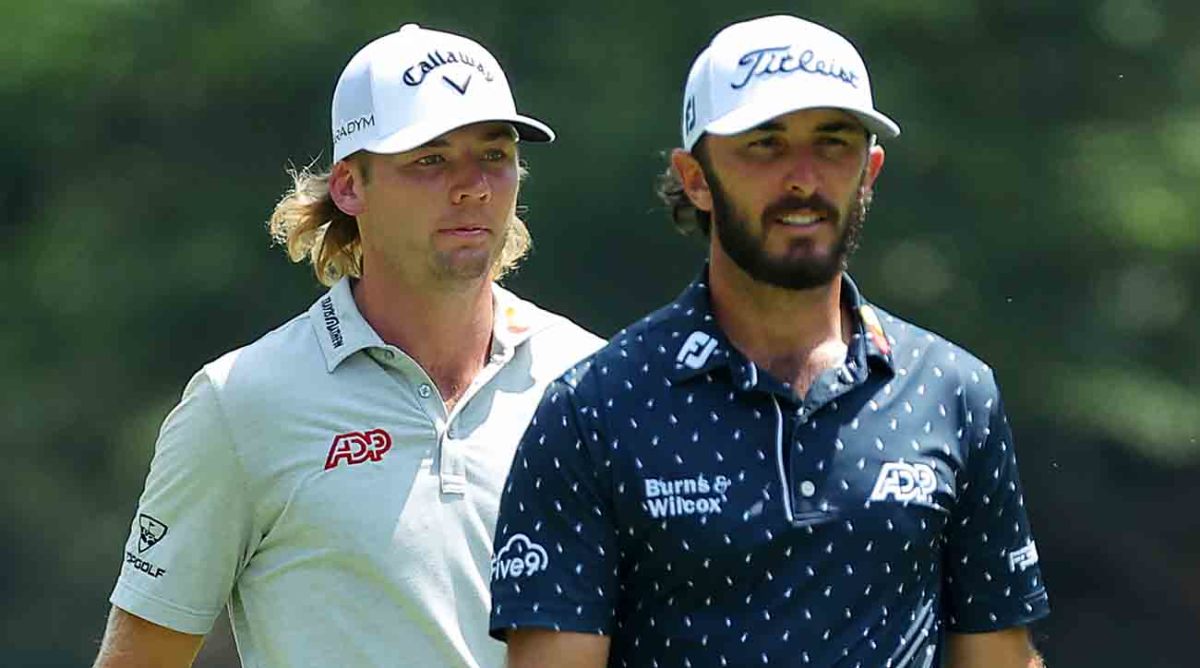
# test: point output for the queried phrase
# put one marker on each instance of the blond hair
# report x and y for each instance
(310, 226)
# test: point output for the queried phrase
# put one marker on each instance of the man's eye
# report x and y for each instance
(832, 141)
(765, 142)
(430, 160)
(495, 154)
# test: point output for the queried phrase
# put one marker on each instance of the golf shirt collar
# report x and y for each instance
(342, 330)
(703, 346)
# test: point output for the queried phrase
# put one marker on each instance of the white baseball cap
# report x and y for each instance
(415, 84)
(756, 70)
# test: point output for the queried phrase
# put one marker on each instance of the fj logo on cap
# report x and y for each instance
(779, 59)
(689, 114)
(150, 531)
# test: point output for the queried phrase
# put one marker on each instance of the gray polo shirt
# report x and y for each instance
(315, 482)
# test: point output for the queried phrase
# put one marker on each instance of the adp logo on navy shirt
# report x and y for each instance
(696, 510)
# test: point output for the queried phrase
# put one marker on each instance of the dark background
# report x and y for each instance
(1038, 209)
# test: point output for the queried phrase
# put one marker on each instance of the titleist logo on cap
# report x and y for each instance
(779, 59)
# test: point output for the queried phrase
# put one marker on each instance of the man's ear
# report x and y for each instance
(345, 187)
(874, 166)
(691, 176)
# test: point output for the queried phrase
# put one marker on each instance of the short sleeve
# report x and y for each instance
(190, 531)
(555, 560)
(993, 577)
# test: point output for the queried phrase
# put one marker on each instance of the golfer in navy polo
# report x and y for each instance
(769, 471)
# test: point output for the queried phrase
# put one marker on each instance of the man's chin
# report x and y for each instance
(796, 274)
(465, 265)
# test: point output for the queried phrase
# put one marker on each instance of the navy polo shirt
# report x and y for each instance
(674, 496)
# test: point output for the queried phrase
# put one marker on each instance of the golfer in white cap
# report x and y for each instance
(770, 471)
(335, 483)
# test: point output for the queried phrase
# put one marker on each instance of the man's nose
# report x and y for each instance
(471, 183)
(801, 177)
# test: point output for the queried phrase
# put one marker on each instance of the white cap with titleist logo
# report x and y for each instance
(756, 70)
(415, 84)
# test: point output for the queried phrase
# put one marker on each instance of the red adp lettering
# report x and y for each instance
(357, 447)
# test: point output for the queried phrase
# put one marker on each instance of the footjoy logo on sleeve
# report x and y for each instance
(357, 447)
(905, 482)
(1019, 560)
(520, 557)
(685, 496)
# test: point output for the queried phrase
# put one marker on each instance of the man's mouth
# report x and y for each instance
(801, 219)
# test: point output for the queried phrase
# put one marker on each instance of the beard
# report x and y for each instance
(800, 271)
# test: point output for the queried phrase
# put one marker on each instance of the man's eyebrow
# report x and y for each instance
(839, 126)
(502, 132)
(827, 127)
(769, 126)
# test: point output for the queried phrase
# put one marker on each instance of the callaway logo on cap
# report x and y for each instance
(756, 70)
(413, 85)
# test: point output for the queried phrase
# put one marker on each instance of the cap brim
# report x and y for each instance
(752, 115)
(528, 129)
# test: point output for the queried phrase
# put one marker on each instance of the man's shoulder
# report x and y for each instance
(552, 338)
(645, 346)
(288, 354)
(916, 349)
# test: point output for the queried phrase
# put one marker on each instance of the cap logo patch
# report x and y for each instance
(689, 114)
(779, 60)
(415, 74)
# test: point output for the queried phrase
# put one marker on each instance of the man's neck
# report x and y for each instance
(793, 334)
(448, 331)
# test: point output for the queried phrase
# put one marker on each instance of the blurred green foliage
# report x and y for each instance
(1038, 209)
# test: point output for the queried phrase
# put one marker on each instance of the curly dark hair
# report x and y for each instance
(687, 218)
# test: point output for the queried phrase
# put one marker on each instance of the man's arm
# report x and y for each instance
(1009, 648)
(132, 642)
(538, 648)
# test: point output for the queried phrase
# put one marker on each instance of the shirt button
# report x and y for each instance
(424, 390)
(807, 488)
